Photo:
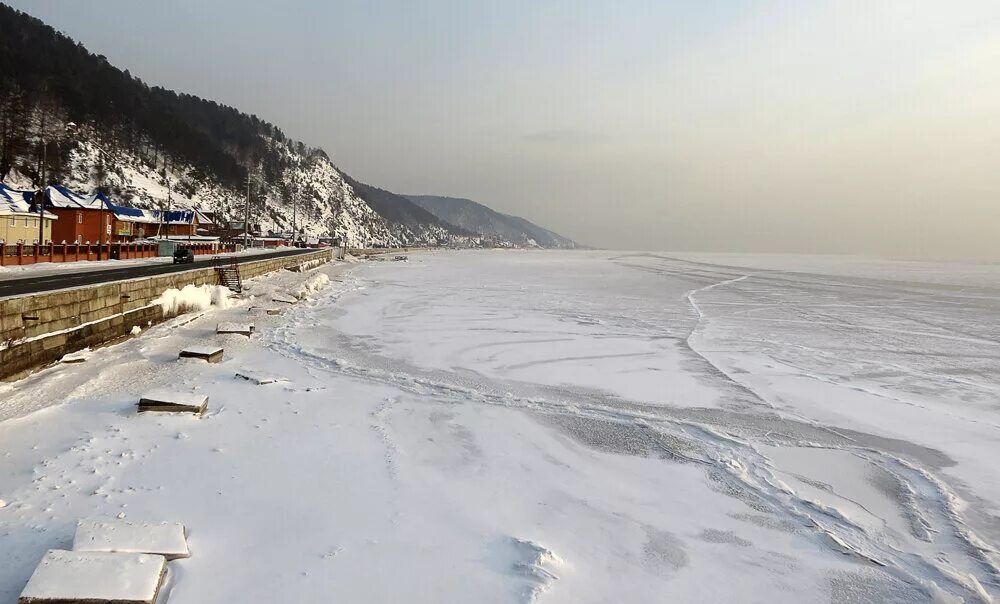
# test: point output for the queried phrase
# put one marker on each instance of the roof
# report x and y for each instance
(58, 196)
(126, 214)
(13, 200)
(204, 217)
(180, 217)
(17, 201)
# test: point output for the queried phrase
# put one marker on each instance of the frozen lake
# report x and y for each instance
(506, 426)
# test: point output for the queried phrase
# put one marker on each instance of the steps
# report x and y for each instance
(229, 275)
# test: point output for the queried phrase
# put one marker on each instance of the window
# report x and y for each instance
(13, 221)
(79, 217)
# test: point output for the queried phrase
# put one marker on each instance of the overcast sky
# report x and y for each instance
(844, 126)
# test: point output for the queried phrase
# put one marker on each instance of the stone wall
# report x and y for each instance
(39, 329)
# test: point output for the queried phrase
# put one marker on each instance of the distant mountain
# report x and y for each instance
(401, 210)
(476, 217)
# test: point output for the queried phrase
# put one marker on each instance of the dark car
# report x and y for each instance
(183, 256)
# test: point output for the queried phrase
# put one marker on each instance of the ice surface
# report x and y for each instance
(116, 535)
(95, 577)
(549, 427)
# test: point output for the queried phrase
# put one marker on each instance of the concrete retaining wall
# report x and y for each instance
(39, 329)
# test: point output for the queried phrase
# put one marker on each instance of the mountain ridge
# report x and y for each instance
(480, 218)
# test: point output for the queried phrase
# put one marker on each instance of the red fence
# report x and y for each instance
(24, 253)
(20, 253)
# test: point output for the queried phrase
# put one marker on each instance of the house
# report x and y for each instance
(133, 223)
(19, 218)
(81, 218)
(179, 224)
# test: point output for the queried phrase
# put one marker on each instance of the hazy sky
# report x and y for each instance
(845, 126)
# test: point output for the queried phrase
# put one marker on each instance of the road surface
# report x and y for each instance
(49, 282)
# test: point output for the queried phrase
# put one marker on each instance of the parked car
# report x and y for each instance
(183, 256)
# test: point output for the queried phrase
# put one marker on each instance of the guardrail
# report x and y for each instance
(207, 248)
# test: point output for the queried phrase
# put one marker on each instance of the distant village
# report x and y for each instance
(58, 215)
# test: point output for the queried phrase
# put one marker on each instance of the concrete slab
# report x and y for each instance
(257, 377)
(287, 299)
(176, 402)
(243, 329)
(274, 311)
(79, 356)
(208, 352)
(86, 577)
(115, 535)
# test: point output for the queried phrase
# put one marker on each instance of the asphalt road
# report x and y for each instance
(49, 282)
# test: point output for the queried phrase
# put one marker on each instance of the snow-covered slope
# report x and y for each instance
(324, 203)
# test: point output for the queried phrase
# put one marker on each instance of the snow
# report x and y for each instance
(283, 297)
(95, 576)
(193, 298)
(541, 427)
(115, 535)
(80, 356)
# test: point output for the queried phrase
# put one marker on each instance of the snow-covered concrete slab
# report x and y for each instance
(178, 402)
(258, 377)
(243, 329)
(115, 535)
(280, 297)
(274, 311)
(206, 352)
(79, 356)
(91, 577)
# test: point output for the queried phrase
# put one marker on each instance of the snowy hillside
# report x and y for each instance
(325, 204)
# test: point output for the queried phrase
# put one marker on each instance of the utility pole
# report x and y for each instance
(295, 193)
(246, 214)
(166, 174)
(41, 203)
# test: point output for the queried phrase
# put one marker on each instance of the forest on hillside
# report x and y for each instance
(51, 86)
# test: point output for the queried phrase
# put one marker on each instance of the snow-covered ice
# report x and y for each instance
(544, 427)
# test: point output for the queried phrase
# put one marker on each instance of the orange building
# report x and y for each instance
(81, 219)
